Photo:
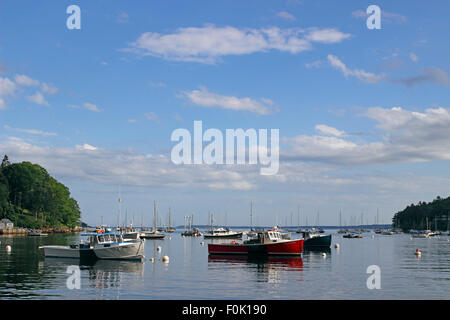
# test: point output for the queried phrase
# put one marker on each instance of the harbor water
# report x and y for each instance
(342, 273)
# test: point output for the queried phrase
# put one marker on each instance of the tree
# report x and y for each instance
(5, 161)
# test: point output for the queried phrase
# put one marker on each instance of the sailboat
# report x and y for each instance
(169, 229)
(154, 234)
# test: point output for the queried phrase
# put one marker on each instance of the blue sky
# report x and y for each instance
(363, 114)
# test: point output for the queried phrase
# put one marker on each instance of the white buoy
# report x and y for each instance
(202, 243)
(8, 249)
(152, 260)
(324, 254)
(158, 248)
(336, 245)
(418, 253)
(165, 259)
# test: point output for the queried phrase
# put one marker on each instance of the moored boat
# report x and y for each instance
(315, 240)
(112, 246)
(222, 233)
(352, 235)
(268, 242)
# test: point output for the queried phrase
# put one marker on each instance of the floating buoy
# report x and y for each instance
(152, 260)
(373, 236)
(202, 243)
(158, 248)
(336, 245)
(165, 259)
(170, 238)
(324, 254)
(8, 249)
(418, 253)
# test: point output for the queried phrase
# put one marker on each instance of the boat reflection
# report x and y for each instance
(100, 273)
(108, 274)
(269, 268)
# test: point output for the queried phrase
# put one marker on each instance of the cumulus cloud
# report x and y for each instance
(126, 167)
(407, 136)
(207, 99)
(209, 43)
(38, 98)
(324, 129)
(7, 88)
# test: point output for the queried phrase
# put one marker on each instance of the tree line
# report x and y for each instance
(433, 215)
(31, 198)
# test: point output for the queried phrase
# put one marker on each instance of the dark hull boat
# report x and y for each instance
(265, 243)
(318, 242)
(313, 239)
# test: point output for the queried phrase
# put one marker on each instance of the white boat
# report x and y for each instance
(61, 251)
(153, 234)
(112, 246)
(83, 250)
(222, 233)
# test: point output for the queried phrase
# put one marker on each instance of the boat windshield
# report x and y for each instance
(274, 235)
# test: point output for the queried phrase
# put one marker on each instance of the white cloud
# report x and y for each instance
(205, 98)
(31, 131)
(88, 106)
(38, 98)
(407, 136)
(91, 107)
(286, 15)
(128, 168)
(24, 80)
(86, 146)
(324, 129)
(330, 35)
(413, 57)
(152, 117)
(358, 73)
(49, 88)
(7, 88)
(209, 43)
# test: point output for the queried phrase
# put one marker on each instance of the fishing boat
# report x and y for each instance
(82, 250)
(112, 246)
(268, 242)
(388, 233)
(352, 235)
(313, 239)
(223, 233)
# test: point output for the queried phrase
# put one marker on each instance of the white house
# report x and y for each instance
(6, 224)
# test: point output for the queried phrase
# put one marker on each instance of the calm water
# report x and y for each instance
(192, 274)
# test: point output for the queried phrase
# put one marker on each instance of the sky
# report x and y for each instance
(363, 114)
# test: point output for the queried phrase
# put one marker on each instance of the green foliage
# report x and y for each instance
(436, 213)
(31, 198)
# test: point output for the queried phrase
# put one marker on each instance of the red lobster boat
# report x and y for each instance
(268, 242)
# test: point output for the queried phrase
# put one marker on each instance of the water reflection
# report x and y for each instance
(108, 274)
(268, 268)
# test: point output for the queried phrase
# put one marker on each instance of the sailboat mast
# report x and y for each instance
(251, 215)
(154, 215)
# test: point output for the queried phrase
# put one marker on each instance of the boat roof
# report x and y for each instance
(100, 234)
